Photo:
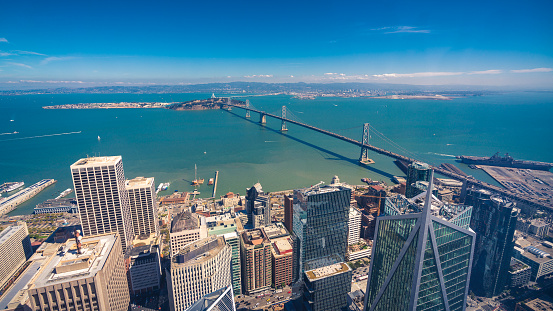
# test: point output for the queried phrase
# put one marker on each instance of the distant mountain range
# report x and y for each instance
(262, 88)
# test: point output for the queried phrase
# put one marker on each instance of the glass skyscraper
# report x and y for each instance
(494, 220)
(421, 257)
(416, 171)
(321, 215)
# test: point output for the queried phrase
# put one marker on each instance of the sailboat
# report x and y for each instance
(98, 137)
(197, 181)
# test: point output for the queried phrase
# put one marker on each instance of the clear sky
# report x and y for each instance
(503, 43)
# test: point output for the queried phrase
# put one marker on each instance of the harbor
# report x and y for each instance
(11, 202)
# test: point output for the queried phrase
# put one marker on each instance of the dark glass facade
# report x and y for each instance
(420, 261)
(416, 172)
(494, 221)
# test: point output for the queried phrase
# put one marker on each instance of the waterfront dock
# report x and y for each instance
(215, 183)
(14, 200)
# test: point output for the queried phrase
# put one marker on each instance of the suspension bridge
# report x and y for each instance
(365, 147)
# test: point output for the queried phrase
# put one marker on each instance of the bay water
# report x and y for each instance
(166, 144)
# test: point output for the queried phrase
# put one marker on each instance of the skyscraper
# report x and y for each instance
(416, 171)
(143, 204)
(257, 207)
(421, 257)
(102, 198)
(15, 249)
(257, 266)
(198, 269)
(494, 220)
(89, 275)
(327, 281)
(321, 215)
(354, 226)
(186, 228)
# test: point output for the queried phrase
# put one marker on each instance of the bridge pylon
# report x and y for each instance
(283, 127)
(247, 108)
(364, 158)
(263, 118)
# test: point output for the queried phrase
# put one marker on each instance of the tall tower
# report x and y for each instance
(102, 198)
(143, 204)
(494, 220)
(416, 171)
(421, 258)
(321, 217)
(257, 207)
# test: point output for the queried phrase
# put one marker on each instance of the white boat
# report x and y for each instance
(165, 186)
(98, 138)
(160, 187)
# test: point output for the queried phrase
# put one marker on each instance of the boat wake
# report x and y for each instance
(48, 135)
(8, 133)
(270, 141)
(442, 154)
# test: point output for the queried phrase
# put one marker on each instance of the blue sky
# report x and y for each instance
(416, 42)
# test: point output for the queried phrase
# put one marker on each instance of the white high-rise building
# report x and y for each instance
(102, 198)
(15, 249)
(142, 196)
(354, 224)
(198, 269)
(186, 228)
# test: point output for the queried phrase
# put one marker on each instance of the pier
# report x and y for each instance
(14, 200)
(365, 146)
(215, 184)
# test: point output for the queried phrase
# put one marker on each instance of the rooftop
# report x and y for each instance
(185, 221)
(282, 246)
(66, 265)
(7, 233)
(325, 267)
(139, 182)
(254, 237)
(96, 161)
(210, 300)
(198, 252)
(276, 230)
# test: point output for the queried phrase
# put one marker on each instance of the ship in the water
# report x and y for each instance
(506, 161)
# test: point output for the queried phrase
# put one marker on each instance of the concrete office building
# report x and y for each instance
(200, 268)
(219, 300)
(145, 267)
(186, 228)
(414, 254)
(519, 273)
(102, 198)
(257, 207)
(354, 226)
(327, 281)
(494, 220)
(92, 280)
(15, 249)
(282, 256)
(143, 204)
(256, 261)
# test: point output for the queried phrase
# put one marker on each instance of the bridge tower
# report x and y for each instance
(247, 108)
(262, 118)
(364, 158)
(229, 107)
(283, 127)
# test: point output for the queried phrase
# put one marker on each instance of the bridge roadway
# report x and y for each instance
(470, 181)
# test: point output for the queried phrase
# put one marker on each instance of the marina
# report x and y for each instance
(14, 200)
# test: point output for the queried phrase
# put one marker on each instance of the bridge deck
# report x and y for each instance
(471, 181)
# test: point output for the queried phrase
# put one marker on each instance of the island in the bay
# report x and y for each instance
(197, 104)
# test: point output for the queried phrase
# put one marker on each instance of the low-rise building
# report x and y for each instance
(519, 273)
(537, 255)
(544, 302)
(358, 250)
(186, 228)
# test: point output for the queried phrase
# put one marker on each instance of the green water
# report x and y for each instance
(166, 144)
